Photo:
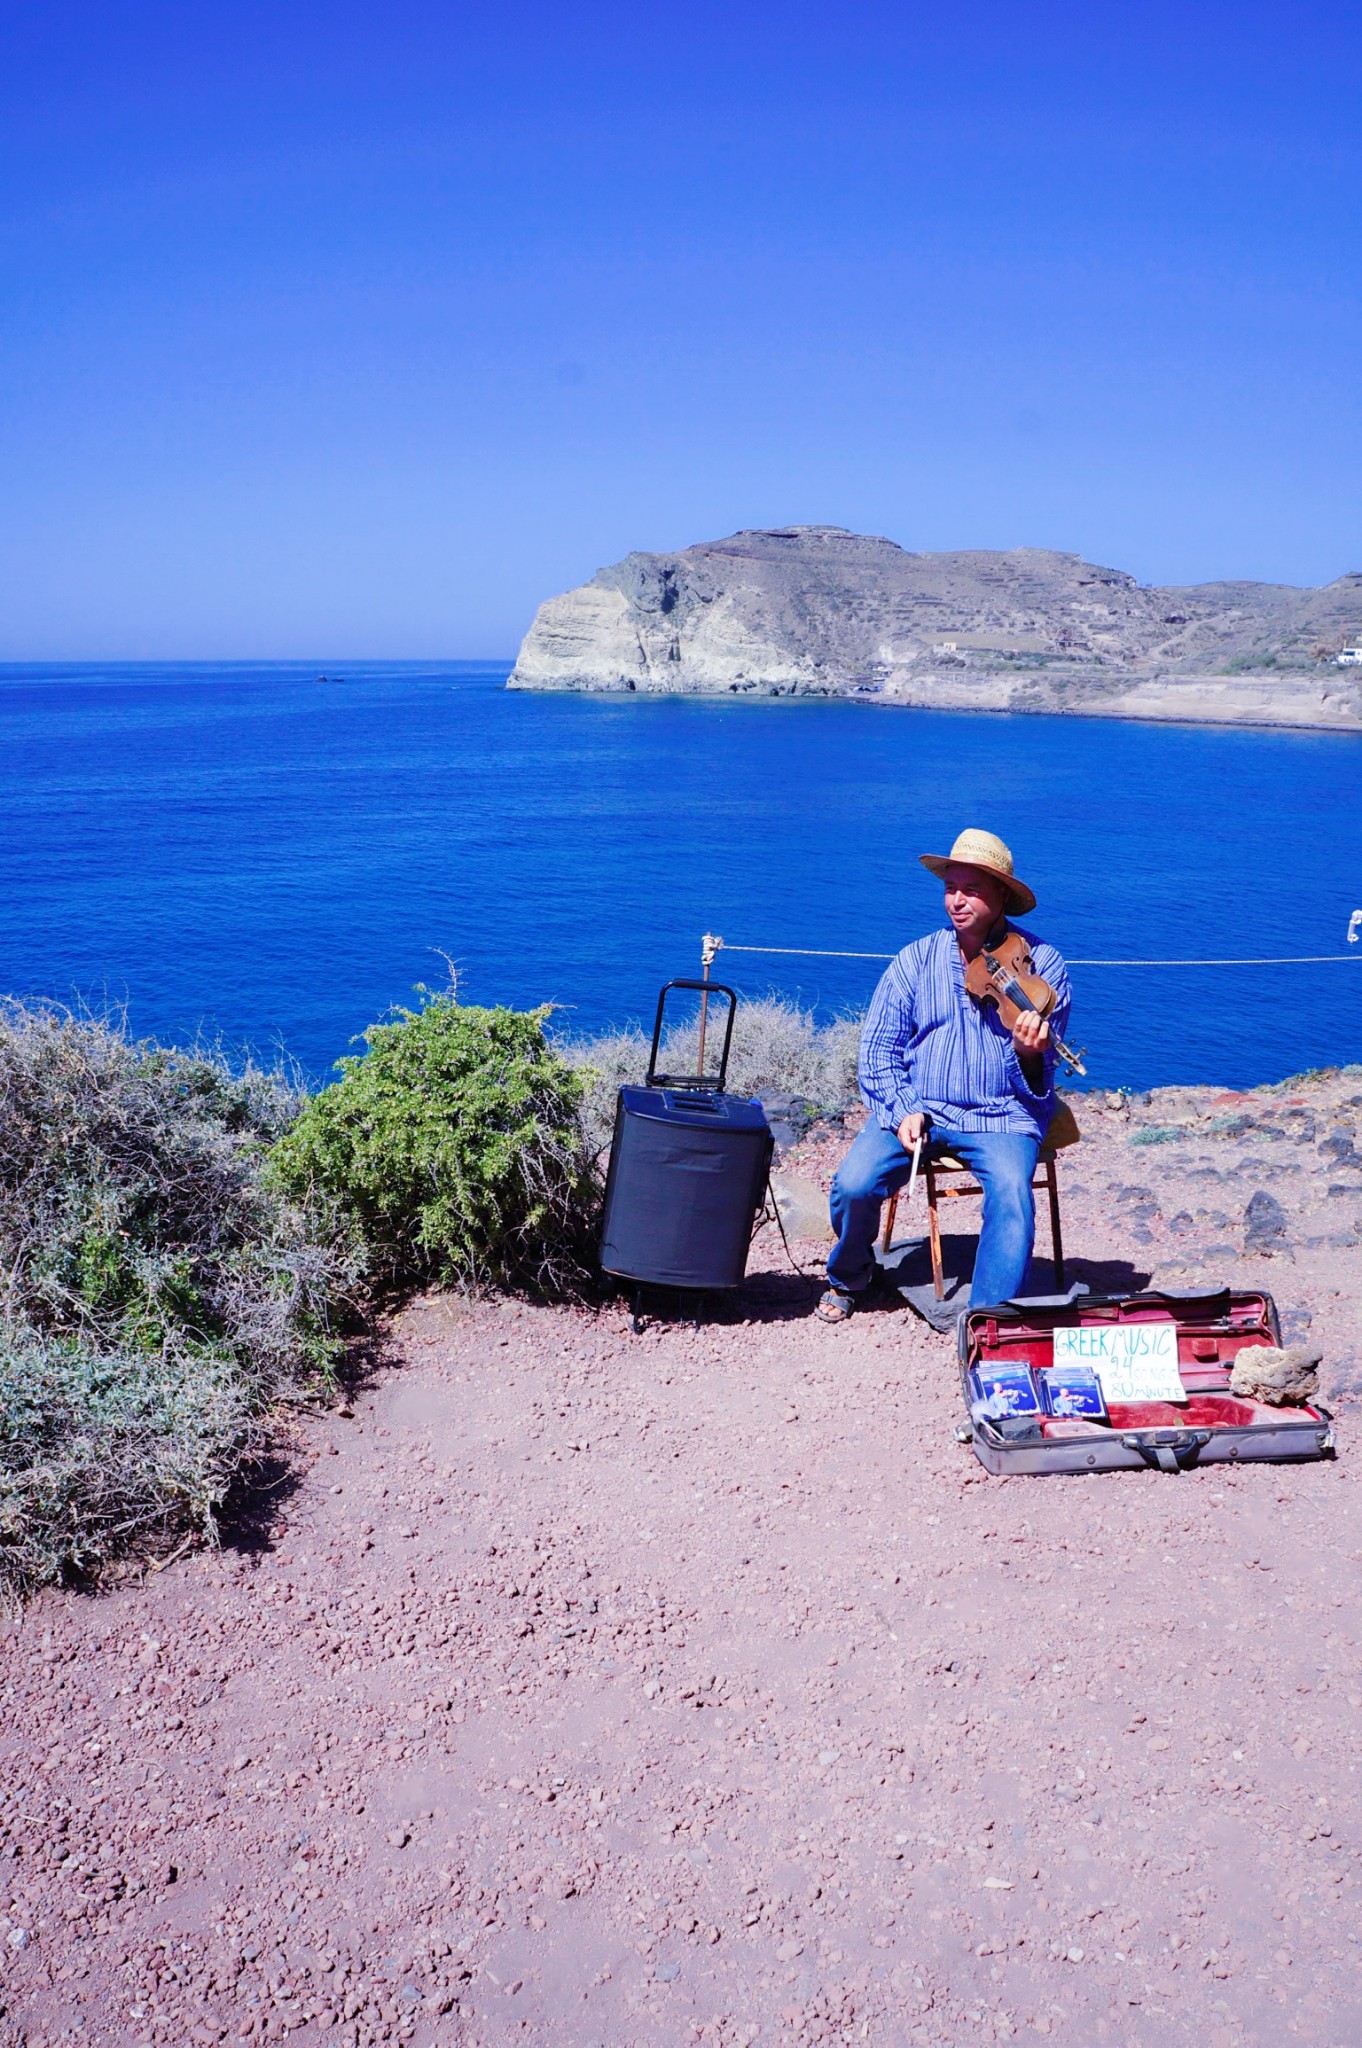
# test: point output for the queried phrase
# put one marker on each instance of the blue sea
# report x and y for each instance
(276, 857)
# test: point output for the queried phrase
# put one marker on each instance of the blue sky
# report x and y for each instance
(350, 329)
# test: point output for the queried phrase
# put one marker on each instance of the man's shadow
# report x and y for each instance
(905, 1272)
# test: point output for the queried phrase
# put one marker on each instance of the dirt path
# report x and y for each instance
(699, 1687)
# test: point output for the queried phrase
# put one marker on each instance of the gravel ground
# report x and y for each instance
(581, 1687)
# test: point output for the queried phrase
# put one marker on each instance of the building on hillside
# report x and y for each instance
(1351, 655)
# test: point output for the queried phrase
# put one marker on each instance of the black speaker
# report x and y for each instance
(688, 1168)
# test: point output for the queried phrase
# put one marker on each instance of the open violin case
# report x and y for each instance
(1210, 1425)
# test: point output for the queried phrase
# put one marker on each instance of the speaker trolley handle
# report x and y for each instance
(706, 989)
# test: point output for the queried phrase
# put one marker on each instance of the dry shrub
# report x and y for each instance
(106, 1452)
(158, 1294)
(605, 1065)
(778, 1049)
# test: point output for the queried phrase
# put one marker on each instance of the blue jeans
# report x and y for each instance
(1003, 1163)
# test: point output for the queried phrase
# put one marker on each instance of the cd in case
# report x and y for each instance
(1073, 1390)
(998, 1390)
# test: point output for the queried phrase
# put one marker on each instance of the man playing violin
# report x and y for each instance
(938, 1066)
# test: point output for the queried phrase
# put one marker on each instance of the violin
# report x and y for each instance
(1005, 974)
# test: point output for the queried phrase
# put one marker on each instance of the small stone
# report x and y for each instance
(802, 1208)
(1264, 1223)
(397, 1838)
(789, 1117)
(1282, 1378)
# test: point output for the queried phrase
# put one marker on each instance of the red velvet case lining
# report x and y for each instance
(1202, 1411)
(1205, 1356)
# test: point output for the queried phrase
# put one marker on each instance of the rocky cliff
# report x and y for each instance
(817, 611)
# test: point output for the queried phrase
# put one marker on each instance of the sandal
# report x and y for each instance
(835, 1307)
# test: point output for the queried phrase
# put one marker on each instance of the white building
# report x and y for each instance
(1350, 656)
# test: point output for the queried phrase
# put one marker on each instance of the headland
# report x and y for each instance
(817, 611)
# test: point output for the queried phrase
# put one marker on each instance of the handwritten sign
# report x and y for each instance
(1133, 1361)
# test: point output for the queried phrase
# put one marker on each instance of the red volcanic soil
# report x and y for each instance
(699, 1687)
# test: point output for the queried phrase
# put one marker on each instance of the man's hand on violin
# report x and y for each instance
(911, 1129)
(1031, 1035)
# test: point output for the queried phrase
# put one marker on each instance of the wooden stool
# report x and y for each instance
(1063, 1131)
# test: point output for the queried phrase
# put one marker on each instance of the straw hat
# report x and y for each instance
(986, 851)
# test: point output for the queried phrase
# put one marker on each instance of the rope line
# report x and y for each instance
(805, 952)
(1281, 960)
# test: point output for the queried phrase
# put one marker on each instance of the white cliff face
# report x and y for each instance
(637, 633)
(584, 640)
(818, 611)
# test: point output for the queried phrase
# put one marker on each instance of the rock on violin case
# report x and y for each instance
(1210, 1426)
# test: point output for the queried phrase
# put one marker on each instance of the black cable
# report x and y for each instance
(780, 1226)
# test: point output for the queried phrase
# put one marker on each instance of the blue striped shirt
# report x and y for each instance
(928, 1045)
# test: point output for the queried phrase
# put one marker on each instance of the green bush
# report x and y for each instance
(453, 1147)
(159, 1292)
